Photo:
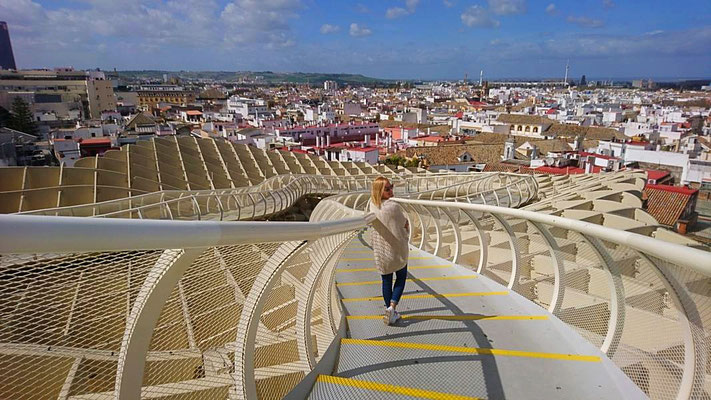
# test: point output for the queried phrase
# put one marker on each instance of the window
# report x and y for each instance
(520, 128)
(535, 129)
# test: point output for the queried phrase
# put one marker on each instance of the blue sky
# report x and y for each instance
(411, 39)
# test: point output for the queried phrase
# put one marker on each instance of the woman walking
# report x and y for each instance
(390, 245)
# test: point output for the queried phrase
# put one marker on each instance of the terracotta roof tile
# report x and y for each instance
(448, 154)
(524, 119)
(589, 132)
(666, 206)
(557, 129)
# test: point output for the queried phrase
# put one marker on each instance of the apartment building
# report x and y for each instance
(151, 96)
(60, 91)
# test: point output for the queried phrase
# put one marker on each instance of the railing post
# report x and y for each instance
(558, 272)
(197, 206)
(254, 205)
(156, 289)
(438, 231)
(617, 297)
(457, 234)
(248, 325)
(483, 242)
(515, 268)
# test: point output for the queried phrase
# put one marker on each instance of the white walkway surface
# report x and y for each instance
(462, 336)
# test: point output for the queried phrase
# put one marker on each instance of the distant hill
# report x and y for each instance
(265, 77)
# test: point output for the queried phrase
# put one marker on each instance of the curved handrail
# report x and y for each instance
(34, 234)
(595, 268)
(290, 187)
(158, 255)
(266, 185)
(689, 257)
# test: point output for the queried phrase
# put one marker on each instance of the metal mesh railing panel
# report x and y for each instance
(535, 263)
(500, 255)
(278, 363)
(695, 301)
(586, 305)
(652, 361)
(193, 344)
(62, 320)
(471, 249)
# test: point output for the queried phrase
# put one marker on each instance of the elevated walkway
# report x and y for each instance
(461, 336)
(562, 299)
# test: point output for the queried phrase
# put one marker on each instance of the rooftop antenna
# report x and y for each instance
(567, 66)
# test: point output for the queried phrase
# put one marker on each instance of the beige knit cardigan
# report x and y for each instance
(390, 237)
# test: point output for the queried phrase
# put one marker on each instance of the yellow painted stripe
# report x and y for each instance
(408, 268)
(369, 251)
(459, 317)
(471, 350)
(383, 387)
(371, 259)
(430, 296)
(439, 278)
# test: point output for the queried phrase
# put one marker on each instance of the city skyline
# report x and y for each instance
(408, 39)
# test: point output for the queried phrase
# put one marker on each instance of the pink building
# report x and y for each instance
(332, 133)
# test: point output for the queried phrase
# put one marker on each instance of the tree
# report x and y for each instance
(22, 119)
(4, 117)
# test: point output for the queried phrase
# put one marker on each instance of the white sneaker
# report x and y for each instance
(388, 317)
(394, 317)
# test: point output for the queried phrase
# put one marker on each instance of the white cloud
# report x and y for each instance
(551, 9)
(411, 5)
(328, 28)
(449, 3)
(396, 12)
(477, 17)
(506, 7)
(605, 47)
(608, 4)
(585, 22)
(359, 31)
(130, 30)
(260, 21)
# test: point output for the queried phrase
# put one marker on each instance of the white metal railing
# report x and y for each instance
(126, 308)
(102, 307)
(645, 302)
(280, 192)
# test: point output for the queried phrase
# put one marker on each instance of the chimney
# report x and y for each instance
(534, 152)
(377, 140)
(318, 141)
(367, 140)
(328, 140)
(578, 143)
(589, 165)
(509, 148)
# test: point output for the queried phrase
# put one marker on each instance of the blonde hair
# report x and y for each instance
(377, 189)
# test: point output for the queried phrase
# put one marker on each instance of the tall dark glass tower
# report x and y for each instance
(7, 59)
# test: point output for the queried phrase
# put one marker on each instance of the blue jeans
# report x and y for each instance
(390, 293)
